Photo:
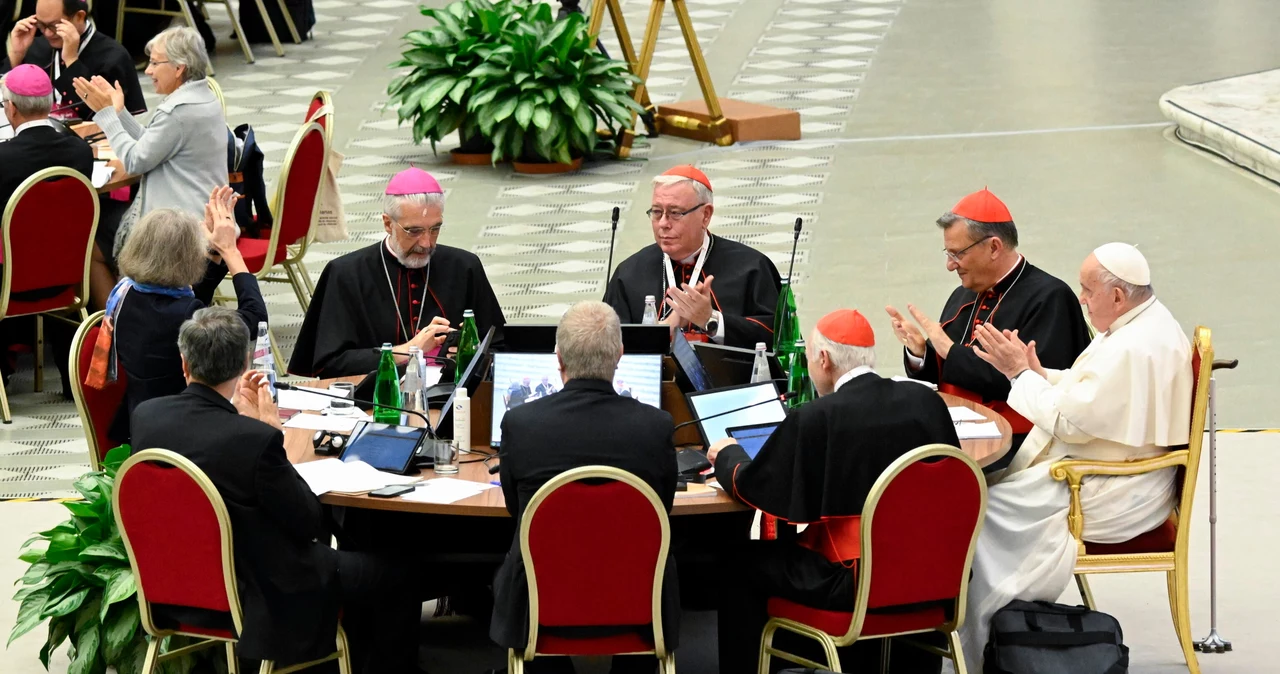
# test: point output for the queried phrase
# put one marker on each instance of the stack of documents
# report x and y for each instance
(446, 490)
(305, 399)
(972, 426)
(101, 174)
(324, 422)
(959, 414)
(353, 477)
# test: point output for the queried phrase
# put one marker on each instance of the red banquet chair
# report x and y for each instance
(177, 533)
(39, 277)
(918, 530)
(97, 407)
(594, 541)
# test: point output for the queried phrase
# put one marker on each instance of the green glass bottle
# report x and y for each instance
(468, 341)
(387, 389)
(786, 325)
(798, 376)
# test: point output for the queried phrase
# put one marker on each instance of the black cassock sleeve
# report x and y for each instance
(1054, 324)
(327, 344)
(755, 323)
(615, 295)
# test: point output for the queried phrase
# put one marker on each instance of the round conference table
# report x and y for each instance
(699, 500)
(102, 151)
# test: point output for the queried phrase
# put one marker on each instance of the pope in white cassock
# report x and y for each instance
(1127, 397)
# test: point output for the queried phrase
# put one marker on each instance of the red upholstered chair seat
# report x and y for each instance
(21, 308)
(1160, 539)
(206, 631)
(254, 252)
(618, 643)
(837, 622)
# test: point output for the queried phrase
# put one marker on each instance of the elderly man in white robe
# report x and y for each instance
(1127, 397)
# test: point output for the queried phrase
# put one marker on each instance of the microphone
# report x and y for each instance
(612, 234)
(795, 241)
(781, 398)
(281, 386)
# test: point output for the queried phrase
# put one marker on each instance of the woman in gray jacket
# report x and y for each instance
(182, 152)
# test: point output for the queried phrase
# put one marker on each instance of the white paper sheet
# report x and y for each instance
(446, 490)
(101, 174)
(354, 477)
(302, 398)
(322, 422)
(972, 431)
(432, 376)
(964, 414)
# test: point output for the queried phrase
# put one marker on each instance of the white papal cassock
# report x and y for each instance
(1128, 396)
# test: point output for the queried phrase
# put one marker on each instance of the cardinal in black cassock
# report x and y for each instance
(712, 288)
(998, 287)
(96, 53)
(405, 290)
(817, 468)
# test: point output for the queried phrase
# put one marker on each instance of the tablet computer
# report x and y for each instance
(751, 437)
(720, 409)
(386, 447)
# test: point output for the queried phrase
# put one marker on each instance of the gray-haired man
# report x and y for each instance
(292, 584)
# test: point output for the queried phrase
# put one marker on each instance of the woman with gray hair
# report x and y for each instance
(181, 153)
(166, 256)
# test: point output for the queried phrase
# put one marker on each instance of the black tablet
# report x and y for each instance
(384, 446)
(751, 437)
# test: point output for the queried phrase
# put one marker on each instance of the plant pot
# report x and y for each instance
(546, 168)
(470, 158)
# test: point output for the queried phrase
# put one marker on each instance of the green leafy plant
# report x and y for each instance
(80, 582)
(507, 75)
(433, 96)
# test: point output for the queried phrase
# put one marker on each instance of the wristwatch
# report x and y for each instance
(713, 324)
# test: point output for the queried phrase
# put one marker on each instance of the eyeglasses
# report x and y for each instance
(157, 63)
(656, 214)
(47, 27)
(415, 232)
(955, 257)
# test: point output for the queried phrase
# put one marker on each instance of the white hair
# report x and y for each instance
(393, 204)
(843, 357)
(589, 341)
(1134, 293)
(699, 190)
(183, 46)
(28, 106)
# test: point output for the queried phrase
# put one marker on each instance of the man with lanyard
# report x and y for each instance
(712, 288)
(60, 39)
(998, 287)
(406, 290)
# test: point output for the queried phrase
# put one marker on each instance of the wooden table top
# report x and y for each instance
(102, 150)
(492, 503)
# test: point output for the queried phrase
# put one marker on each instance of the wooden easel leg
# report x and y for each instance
(629, 54)
(641, 69)
(718, 126)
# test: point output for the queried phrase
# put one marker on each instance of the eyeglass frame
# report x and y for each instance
(434, 230)
(955, 257)
(672, 216)
(157, 63)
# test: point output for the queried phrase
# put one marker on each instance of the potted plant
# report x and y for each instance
(538, 97)
(80, 582)
(434, 95)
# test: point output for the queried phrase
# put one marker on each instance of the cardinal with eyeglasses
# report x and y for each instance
(712, 288)
(406, 290)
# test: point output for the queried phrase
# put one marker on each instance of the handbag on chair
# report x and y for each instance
(1042, 637)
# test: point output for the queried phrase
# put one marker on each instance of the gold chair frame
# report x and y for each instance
(829, 642)
(77, 390)
(717, 130)
(1174, 564)
(184, 11)
(82, 298)
(154, 657)
(666, 658)
(326, 109)
(217, 93)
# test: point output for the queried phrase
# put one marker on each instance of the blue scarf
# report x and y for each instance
(118, 293)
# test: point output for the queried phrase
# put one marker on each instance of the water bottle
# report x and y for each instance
(468, 341)
(411, 387)
(387, 389)
(798, 377)
(786, 325)
(760, 368)
(650, 311)
(263, 359)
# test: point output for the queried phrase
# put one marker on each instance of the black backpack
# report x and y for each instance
(1046, 638)
(244, 175)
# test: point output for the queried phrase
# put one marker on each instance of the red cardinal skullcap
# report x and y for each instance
(848, 327)
(688, 171)
(983, 206)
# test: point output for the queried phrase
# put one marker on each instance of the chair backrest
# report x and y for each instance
(49, 225)
(217, 93)
(594, 541)
(320, 111)
(1201, 373)
(297, 196)
(178, 535)
(919, 526)
(97, 407)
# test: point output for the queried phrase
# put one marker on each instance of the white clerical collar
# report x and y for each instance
(1129, 315)
(33, 124)
(853, 374)
(1011, 270)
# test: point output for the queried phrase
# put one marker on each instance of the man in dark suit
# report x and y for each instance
(586, 423)
(291, 583)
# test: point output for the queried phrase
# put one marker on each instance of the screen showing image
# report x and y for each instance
(519, 378)
(705, 405)
(384, 447)
(684, 354)
(752, 439)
